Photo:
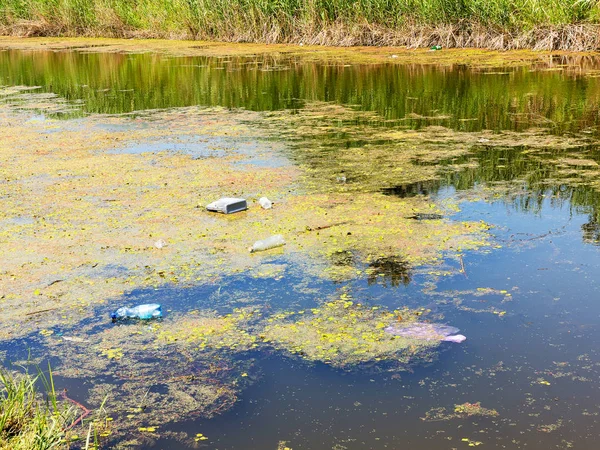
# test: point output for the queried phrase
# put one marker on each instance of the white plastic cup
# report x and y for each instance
(265, 203)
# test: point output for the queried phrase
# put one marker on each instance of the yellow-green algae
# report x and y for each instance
(206, 358)
(344, 332)
(202, 364)
(204, 330)
(79, 226)
(462, 411)
(372, 156)
(340, 332)
(561, 60)
(91, 218)
(146, 382)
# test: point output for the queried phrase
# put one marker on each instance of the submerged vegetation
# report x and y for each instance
(469, 23)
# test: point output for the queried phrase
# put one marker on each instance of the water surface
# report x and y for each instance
(527, 303)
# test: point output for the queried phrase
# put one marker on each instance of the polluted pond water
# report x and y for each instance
(419, 203)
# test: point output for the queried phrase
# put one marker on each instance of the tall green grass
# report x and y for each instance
(28, 421)
(319, 21)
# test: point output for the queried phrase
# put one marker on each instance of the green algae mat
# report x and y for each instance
(410, 189)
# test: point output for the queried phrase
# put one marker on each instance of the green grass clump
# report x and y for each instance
(26, 421)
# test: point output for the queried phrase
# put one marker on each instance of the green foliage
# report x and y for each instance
(26, 422)
(279, 19)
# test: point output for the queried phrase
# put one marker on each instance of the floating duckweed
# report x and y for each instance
(461, 411)
(216, 332)
(332, 228)
(474, 409)
(471, 442)
(342, 333)
(113, 353)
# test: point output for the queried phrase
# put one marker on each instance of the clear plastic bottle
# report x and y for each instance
(148, 311)
(265, 203)
(266, 244)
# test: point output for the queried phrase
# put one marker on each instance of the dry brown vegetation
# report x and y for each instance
(576, 37)
(496, 24)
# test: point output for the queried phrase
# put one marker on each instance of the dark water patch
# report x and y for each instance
(390, 270)
(591, 231)
(343, 258)
(234, 292)
(412, 189)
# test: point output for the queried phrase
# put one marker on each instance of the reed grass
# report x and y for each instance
(569, 24)
(27, 421)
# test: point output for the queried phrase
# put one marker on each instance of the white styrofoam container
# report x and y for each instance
(228, 205)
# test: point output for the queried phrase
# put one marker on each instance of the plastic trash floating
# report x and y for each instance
(148, 311)
(265, 203)
(268, 243)
(427, 332)
(228, 205)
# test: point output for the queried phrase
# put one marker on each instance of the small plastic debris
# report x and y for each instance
(74, 339)
(458, 338)
(145, 312)
(265, 203)
(341, 179)
(436, 47)
(427, 332)
(160, 244)
(268, 243)
(228, 205)
(394, 56)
